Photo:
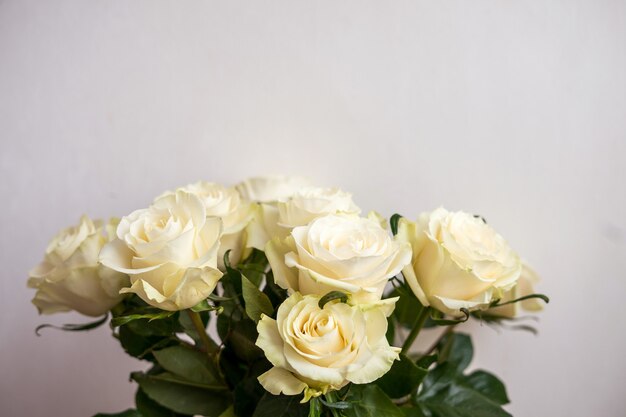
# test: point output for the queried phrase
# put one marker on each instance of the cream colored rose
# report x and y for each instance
(169, 250)
(316, 350)
(458, 261)
(227, 204)
(70, 278)
(310, 203)
(266, 192)
(522, 288)
(302, 207)
(338, 252)
(271, 188)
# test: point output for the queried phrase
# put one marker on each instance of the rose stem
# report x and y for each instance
(209, 346)
(419, 323)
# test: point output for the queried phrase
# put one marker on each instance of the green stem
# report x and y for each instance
(419, 323)
(208, 344)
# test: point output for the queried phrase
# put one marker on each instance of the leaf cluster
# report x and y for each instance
(192, 374)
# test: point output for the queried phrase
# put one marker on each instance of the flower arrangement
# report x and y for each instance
(277, 298)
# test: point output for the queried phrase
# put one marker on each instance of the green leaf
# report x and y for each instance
(74, 327)
(333, 295)
(437, 379)
(231, 282)
(224, 324)
(460, 401)
(204, 306)
(141, 346)
(446, 392)
(339, 405)
(182, 398)
(122, 320)
(457, 350)
(393, 223)
(166, 327)
(488, 385)
(281, 406)
(412, 411)
(254, 272)
(402, 379)
(176, 379)
(233, 368)
(256, 303)
(247, 393)
(370, 401)
(127, 413)
(242, 339)
(426, 361)
(256, 256)
(149, 408)
(189, 364)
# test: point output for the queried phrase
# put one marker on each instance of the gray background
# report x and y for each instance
(512, 109)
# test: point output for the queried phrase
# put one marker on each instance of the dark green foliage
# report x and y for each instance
(402, 379)
(190, 365)
(179, 395)
(448, 392)
(140, 337)
(370, 401)
(281, 406)
(150, 408)
(256, 302)
(248, 392)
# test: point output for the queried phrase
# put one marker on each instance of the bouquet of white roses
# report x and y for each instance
(311, 307)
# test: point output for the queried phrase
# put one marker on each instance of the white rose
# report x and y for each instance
(316, 350)
(458, 261)
(300, 209)
(310, 203)
(70, 278)
(169, 250)
(267, 191)
(522, 288)
(227, 204)
(338, 252)
(271, 188)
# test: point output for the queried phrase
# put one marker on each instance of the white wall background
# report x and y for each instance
(515, 109)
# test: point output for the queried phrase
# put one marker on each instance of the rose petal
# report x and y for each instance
(280, 381)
